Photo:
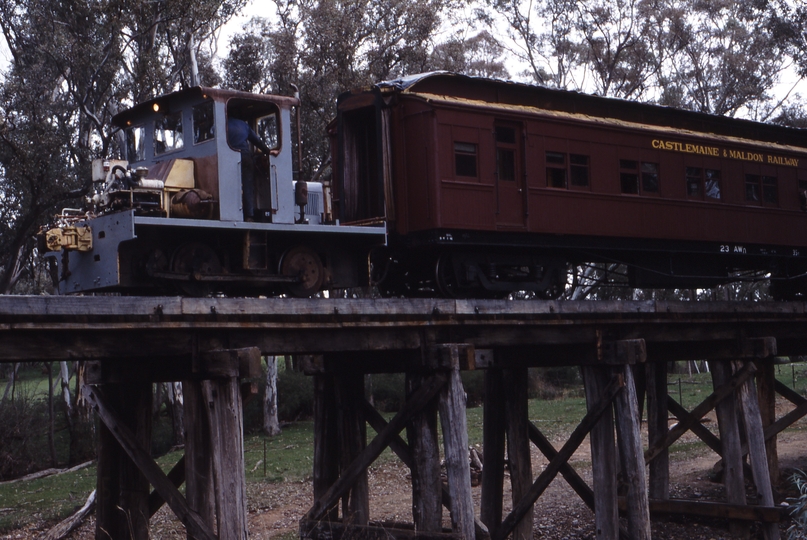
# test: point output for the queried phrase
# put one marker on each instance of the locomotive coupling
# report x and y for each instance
(73, 238)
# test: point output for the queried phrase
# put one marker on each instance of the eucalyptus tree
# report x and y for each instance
(326, 47)
(74, 64)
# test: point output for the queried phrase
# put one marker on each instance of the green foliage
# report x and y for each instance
(474, 384)
(798, 507)
(295, 395)
(24, 422)
(388, 390)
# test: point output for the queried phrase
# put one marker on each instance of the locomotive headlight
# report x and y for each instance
(156, 107)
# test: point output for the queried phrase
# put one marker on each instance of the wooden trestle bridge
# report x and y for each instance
(213, 345)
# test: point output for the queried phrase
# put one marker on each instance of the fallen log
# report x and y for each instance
(71, 523)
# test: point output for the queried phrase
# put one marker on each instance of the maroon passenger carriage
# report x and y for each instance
(489, 187)
(447, 185)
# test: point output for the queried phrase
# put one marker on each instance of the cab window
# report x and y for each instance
(203, 124)
(269, 131)
(136, 144)
(168, 133)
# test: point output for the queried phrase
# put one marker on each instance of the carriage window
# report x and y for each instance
(465, 159)
(136, 144)
(203, 125)
(268, 131)
(168, 133)
(578, 168)
(637, 177)
(770, 194)
(712, 184)
(555, 170)
(803, 195)
(649, 178)
(761, 189)
(628, 177)
(694, 182)
(506, 153)
(752, 189)
(703, 183)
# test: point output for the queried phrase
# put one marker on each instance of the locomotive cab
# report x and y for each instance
(182, 140)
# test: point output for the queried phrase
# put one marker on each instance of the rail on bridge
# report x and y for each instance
(214, 345)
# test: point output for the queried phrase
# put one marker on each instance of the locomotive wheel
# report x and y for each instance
(193, 259)
(304, 263)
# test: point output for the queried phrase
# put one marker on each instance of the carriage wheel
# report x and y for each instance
(557, 284)
(444, 277)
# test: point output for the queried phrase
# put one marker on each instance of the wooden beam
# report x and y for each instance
(728, 423)
(567, 471)
(603, 456)
(177, 477)
(657, 427)
(594, 414)
(452, 405)
(152, 471)
(134, 412)
(700, 411)
(402, 450)
(424, 394)
(493, 434)
(423, 461)
(377, 422)
(717, 510)
(107, 523)
(696, 427)
(788, 393)
(629, 441)
(223, 400)
(331, 530)
(756, 449)
(199, 483)
(767, 409)
(352, 436)
(622, 351)
(518, 445)
(786, 421)
(326, 438)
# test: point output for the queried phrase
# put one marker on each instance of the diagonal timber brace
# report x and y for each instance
(404, 453)
(162, 484)
(562, 457)
(733, 384)
(424, 394)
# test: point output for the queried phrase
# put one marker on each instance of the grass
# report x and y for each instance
(51, 498)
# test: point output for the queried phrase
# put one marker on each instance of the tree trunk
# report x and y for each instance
(271, 425)
(65, 381)
(51, 429)
(12, 379)
(175, 398)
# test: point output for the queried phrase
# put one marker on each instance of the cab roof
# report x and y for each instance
(245, 102)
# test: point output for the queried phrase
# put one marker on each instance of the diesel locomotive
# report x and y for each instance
(442, 185)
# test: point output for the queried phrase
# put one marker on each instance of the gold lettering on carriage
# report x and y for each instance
(742, 155)
(686, 148)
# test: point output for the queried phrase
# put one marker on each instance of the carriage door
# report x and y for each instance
(510, 189)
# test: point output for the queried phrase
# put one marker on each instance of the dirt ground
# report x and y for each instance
(276, 508)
